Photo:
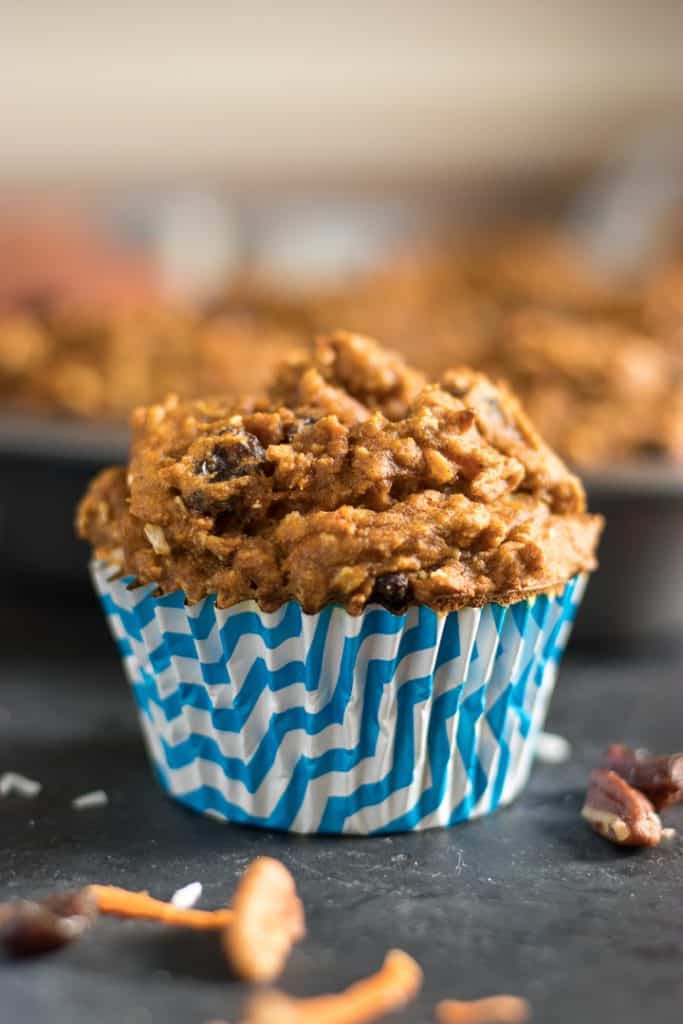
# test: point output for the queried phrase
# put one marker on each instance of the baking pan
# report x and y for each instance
(637, 596)
(45, 466)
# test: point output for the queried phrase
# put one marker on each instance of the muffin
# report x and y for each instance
(100, 363)
(600, 392)
(341, 606)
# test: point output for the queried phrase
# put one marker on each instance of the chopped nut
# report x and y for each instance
(659, 778)
(157, 538)
(396, 983)
(268, 920)
(28, 928)
(440, 469)
(620, 813)
(115, 557)
(102, 513)
(493, 1010)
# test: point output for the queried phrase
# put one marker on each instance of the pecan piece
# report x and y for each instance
(619, 812)
(659, 778)
(29, 929)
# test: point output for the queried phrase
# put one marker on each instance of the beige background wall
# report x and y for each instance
(272, 90)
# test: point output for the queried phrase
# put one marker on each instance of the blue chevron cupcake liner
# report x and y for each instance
(336, 723)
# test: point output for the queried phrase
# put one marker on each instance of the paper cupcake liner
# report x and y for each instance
(337, 723)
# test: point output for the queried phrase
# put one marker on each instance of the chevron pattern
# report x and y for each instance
(335, 723)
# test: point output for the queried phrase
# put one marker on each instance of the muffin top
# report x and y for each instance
(599, 391)
(351, 481)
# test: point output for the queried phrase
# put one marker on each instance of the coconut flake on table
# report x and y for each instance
(86, 801)
(186, 897)
(552, 749)
(21, 785)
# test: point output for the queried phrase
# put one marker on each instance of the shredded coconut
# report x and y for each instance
(13, 782)
(96, 798)
(187, 896)
(552, 749)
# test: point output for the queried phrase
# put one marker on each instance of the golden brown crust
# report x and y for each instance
(455, 503)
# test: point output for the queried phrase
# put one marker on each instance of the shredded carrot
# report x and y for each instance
(123, 903)
(268, 919)
(396, 983)
(493, 1010)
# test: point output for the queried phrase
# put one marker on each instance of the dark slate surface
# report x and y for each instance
(528, 901)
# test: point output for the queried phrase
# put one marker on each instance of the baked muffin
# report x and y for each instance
(99, 363)
(600, 392)
(341, 605)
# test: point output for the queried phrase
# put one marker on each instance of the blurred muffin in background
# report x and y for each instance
(534, 264)
(662, 303)
(419, 302)
(596, 360)
(90, 364)
(600, 392)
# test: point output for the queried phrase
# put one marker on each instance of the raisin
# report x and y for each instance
(455, 389)
(393, 591)
(290, 430)
(200, 503)
(494, 416)
(232, 514)
(239, 455)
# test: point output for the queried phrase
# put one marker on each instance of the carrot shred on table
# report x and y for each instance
(395, 984)
(492, 1010)
(123, 903)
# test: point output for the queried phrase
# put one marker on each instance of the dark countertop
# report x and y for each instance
(528, 901)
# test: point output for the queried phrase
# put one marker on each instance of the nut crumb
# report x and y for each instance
(619, 812)
(157, 538)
